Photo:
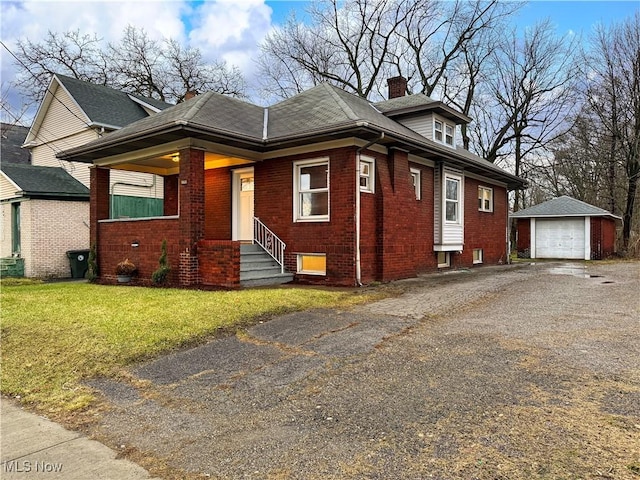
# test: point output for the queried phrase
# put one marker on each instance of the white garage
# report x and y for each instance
(565, 228)
(560, 238)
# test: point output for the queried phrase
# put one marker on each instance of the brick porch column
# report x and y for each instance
(99, 200)
(191, 186)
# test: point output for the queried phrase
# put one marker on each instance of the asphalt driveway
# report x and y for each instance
(514, 372)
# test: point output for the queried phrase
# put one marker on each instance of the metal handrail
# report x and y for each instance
(269, 241)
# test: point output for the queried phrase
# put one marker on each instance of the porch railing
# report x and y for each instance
(269, 241)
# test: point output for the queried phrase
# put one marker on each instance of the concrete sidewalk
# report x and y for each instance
(32, 446)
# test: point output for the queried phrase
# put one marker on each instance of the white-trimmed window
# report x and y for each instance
(444, 132)
(437, 130)
(367, 174)
(444, 259)
(448, 134)
(478, 255)
(452, 199)
(312, 263)
(311, 190)
(415, 179)
(485, 199)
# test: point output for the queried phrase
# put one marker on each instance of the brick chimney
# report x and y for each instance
(397, 86)
(189, 95)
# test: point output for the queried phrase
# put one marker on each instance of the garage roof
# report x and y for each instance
(563, 206)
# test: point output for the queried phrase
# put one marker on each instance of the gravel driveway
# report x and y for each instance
(514, 372)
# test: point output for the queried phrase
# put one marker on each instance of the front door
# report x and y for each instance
(243, 204)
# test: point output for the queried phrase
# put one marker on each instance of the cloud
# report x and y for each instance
(230, 30)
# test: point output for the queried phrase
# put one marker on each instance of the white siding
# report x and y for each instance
(7, 189)
(63, 119)
(447, 234)
(437, 205)
(5, 230)
(422, 125)
(150, 189)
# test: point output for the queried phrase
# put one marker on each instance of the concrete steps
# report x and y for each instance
(258, 268)
(11, 267)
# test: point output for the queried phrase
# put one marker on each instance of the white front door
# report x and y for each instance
(243, 204)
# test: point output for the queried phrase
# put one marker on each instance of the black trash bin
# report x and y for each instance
(79, 262)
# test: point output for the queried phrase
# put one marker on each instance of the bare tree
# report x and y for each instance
(160, 69)
(527, 98)
(613, 95)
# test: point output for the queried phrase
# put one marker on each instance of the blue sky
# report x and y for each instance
(231, 30)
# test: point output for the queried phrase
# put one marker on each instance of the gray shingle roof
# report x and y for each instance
(12, 138)
(320, 113)
(106, 106)
(400, 103)
(563, 206)
(50, 182)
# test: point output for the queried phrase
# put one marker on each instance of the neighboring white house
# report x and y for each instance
(45, 206)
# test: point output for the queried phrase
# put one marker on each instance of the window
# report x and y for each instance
(437, 130)
(415, 179)
(478, 255)
(485, 199)
(452, 202)
(444, 132)
(311, 191)
(367, 175)
(448, 138)
(444, 259)
(312, 263)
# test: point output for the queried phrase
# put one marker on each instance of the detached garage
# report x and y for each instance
(565, 228)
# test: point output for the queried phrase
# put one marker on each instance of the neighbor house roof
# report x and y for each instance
(563, 206)
(11, 144)
(322, 113)
(47, 182)
(101, 106)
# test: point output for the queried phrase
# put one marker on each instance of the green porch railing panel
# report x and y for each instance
(125, 206)
(11, 267)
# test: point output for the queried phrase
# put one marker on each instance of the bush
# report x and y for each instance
(161, 275)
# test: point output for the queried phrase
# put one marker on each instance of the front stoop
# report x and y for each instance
(258, 268)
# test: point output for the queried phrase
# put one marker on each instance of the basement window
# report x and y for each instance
(444, 259)
(478, 255)
(312, 263)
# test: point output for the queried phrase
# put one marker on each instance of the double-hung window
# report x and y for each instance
(444, 132)
(448, 137)
(452, 199)
(311, 190)
(415, 179)
(367, 175)
(485, 199)
(437, 130)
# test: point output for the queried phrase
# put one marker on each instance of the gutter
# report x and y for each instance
(357, 213)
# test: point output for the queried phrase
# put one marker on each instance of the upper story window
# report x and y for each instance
(444, 132)
(367, 175)
(415, 179)
(311, 190)
(485, 199)
(452, 199)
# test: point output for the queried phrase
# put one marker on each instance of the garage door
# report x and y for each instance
(560, 238)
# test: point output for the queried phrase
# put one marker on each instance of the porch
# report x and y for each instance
(212, 237)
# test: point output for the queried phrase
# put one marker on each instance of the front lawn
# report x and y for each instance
(56, 335)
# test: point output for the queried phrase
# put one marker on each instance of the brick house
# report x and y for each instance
(337, 190)
(565, 227)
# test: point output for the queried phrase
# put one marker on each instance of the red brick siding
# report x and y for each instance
(116, 239)
(219, 263)
(217, 211)
(485, 230)
(603, 237)
(523, 242)
(335, 238)
(191, 197)
(171, 195)
(99, 200)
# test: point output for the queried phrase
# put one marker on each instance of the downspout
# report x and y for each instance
(357, 215)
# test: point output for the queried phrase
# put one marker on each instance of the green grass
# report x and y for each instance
(56, 335)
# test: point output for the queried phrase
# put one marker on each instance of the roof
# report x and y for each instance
(11, 144)
(419, 104)
(49, 182)
(563, 206)
(324, 112)
(106, 106)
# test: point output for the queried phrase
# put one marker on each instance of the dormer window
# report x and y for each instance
(444, 132)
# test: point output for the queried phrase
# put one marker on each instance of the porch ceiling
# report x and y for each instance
(169, 164)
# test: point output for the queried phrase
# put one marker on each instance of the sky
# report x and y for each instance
(227, 29)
